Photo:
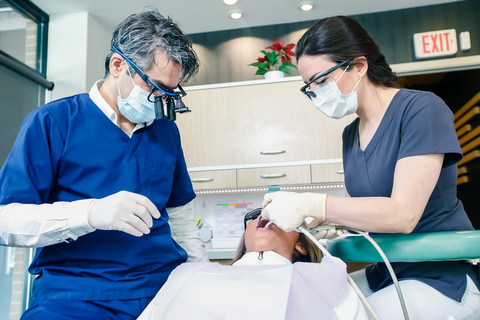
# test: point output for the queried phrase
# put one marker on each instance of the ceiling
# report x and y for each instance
(198, 16)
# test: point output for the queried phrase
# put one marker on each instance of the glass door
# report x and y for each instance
(6, 280)
(23, 30)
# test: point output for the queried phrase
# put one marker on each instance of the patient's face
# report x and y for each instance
(259, 238)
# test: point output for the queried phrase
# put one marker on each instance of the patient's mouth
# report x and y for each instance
(262, 223)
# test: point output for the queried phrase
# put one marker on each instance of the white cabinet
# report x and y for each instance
(327, 172)
(214, 179)
(273, 176)
(258, 123)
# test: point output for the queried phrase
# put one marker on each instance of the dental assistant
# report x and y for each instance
(399, 159)
(99, 185)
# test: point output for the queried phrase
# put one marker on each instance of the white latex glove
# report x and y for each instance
(322, 230)
(288, 210)
(185, 232)
(123, 211)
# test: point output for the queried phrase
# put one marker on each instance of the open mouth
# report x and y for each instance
(262, 223)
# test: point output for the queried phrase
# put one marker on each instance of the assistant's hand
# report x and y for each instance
(289, 209)
(123, 211)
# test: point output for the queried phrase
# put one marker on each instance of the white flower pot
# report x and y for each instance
(271, 75)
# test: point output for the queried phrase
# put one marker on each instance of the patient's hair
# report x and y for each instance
(313, 252)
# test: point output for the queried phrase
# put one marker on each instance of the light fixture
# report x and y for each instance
(230, 2)
(296, 188)
(235, 14)
(306, 5)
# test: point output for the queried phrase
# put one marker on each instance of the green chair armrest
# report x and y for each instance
(430, 246)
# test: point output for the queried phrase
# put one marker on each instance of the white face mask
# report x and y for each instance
(136, 107)
(331, 102)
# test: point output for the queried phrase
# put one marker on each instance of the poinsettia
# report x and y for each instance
(278, 58)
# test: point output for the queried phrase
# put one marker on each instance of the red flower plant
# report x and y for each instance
(270, 61)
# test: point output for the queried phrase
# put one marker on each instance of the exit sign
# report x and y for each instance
(435, 43)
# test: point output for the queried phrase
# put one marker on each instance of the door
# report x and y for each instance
(6, 279)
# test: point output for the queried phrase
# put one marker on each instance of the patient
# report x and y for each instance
(290, 245)
(271, 277)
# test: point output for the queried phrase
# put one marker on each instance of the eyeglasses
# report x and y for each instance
(306, 88)
(172, 98)
(251, 215)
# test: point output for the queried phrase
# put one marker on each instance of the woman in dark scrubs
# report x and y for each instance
(399, 160)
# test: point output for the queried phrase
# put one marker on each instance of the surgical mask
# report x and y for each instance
(331, 102)
(136, 107)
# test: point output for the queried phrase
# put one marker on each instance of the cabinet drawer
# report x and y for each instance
(273, 176)
(213, 179)
(328, 172)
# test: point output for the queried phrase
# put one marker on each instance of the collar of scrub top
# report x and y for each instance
(306, 88)
(173, 98)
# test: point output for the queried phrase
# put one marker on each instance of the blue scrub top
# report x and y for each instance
(69, 150)
(415, 123)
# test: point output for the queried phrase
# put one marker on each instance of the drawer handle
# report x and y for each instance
(202, 180)
(339, 172)
(273, 176)
(270, 152)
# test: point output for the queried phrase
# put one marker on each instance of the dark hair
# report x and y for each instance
(342, 38)
(140, 36)
(313, 252)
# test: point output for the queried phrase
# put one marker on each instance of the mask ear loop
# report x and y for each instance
(129, 73)
(357, 84)
(345, 70)
(118, 87)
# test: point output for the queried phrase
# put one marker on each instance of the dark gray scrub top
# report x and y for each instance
(415, 123)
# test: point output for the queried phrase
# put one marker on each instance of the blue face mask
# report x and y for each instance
(136, 107)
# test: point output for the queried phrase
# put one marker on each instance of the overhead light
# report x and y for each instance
(306, 5)
(230, 2)
(235, 14)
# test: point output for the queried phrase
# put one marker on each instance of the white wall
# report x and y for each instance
(97, 48)
(77, 45)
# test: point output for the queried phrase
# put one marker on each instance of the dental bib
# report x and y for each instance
(275, 289)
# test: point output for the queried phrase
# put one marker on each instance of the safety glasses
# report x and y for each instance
(172, 98)
(306, 88)
(251, 215)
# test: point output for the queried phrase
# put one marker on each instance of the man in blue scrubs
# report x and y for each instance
(98, 182)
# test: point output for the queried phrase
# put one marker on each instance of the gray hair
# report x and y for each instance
(140, 36)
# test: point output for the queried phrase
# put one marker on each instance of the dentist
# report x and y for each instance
(399, 159)
(98, 184)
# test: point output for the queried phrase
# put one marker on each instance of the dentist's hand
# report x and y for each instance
(288, 210)
(123, 211)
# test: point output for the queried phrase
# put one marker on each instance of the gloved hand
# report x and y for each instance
(123, 211)
(288, 210)
(322, 230)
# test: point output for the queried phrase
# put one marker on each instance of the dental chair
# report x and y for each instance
(417, 247)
